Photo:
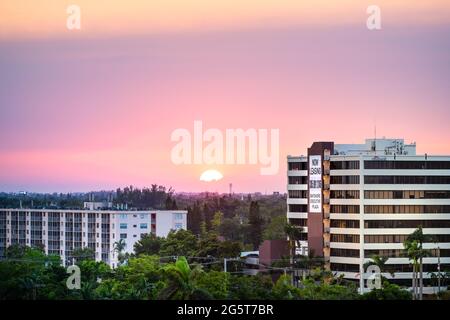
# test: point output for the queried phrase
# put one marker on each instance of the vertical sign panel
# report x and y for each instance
(315, 184)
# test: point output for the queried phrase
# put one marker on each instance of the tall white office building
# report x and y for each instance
(355, 201)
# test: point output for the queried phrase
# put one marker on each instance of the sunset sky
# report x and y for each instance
(94, 108)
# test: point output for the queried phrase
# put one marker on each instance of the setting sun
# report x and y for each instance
(211, 175)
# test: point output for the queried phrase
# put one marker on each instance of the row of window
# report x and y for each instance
(351, 238)
(297, 165)
(298, 194)
(299, 222)
(337, 208)
(407, 209)
(407, 179)
(298, 180)
(344, 179)
(344, 165)
(377, 224)
(344, 267)
(298, 208)
(141, 226)
(406, 194)
(344, 194)
(408, 165)
(344, 224)
(400, 253)
(400, 238)
(351, 253)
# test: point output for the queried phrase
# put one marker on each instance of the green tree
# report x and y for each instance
(284, 290)
(295, 234)
(179, 243)
(119, 248)
(387, 292)
(194, 218)
(149, 244)
(215, 283)
(243, 287)
(83, 254)
(231, 229)
(216, 221)
(276, 230)
(323, 290)
(255, 222)
(181, 282)
(414, 250)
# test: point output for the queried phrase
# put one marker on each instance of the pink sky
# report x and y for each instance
(95, 110)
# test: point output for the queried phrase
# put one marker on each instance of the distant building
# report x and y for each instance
(62, 231)
(91, 205)
(355, 201)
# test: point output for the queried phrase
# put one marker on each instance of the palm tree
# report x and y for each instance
(181, 285)
(119, 247)
(294, 233)
(413, 252)
(414, 246)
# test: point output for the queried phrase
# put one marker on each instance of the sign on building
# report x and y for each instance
(315, 184)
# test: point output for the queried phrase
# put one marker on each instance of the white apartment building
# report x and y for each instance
(62, 231)
(357, 201)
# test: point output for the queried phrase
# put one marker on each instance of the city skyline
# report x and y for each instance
(95, 109)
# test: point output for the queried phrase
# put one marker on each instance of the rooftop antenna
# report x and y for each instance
(374, 142)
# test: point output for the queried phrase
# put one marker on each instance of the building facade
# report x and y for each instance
(357, 201)
(61, 232)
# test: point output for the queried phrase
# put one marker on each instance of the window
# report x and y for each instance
(387, 165)
(297, 194)
(123, 226)
(298, 208)
(407, 179)
(143, 215)
(298, 165)
(298, 180)
(352, 224)
(178, 216)
(406, 194)
(178, 226)
(344, 194)
(344, 180)
(375, 224)
(122, 216)
(337, 208)
(344, 165)
(123, 236)
(143, 226)
(352, 238)
(407, 209)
